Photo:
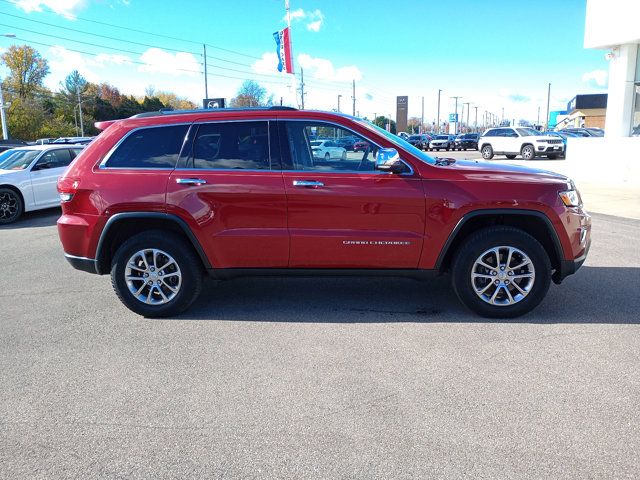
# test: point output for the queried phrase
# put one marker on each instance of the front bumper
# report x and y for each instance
(569, 267)
(550, 148)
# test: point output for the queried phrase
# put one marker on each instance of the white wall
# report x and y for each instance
(611, 22)
(622, 69)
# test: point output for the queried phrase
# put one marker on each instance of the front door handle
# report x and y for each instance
(308, 183)
(190, 181)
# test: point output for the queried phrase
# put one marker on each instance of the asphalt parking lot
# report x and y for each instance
(317, 378)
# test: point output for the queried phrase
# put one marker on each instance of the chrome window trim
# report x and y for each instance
(410, 173)
(270, 169)
(103, 163)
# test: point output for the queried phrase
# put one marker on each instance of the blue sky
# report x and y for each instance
(496, 54)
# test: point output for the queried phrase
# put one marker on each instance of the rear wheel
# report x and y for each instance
(11, 206)
(528, 153)
(156, 274)
(487, 152)
(501, 272)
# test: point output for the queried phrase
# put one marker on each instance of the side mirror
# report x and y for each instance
(388, 160)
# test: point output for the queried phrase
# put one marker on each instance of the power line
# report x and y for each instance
(154, 34)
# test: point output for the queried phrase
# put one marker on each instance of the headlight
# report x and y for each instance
(571, 198)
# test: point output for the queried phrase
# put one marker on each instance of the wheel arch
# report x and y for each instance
(535, 223)
(121, 226)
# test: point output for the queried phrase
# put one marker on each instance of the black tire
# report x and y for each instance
(528, 152)
(11, 206)
(327, 157)
(188, 262)
(487, 152)
(484, 240)
(510, 157)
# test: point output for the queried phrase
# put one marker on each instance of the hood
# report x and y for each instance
(9, 172)
(482, 170)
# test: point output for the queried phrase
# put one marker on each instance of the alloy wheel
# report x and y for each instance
(503, 276)
(9, 206)
(153, 276)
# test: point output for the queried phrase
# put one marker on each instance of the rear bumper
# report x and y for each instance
(82, 263)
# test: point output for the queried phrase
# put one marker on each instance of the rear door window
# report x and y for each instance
(149, 147)
(232, 146)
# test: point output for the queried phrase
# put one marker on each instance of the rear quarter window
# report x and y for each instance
(149, 147)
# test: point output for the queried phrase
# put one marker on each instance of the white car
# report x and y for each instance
(328, 150)
(28, 178)
(525, 141)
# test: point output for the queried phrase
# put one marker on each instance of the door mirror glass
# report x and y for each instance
(388, 160)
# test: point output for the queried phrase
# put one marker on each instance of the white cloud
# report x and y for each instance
(102, 59)
(63, 61)
(323, 69)
(313, 19)
(596, 78)
(159, 61)
(66, 8)
(268, 63)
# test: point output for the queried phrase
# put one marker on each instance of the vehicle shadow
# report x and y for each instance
(39, 218)
(594, 295)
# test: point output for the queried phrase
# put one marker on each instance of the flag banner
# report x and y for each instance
(283, 49)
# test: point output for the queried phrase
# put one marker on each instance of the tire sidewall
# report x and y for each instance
(190, 270)
(528, 147)
(20, 206)
(485, 240)
(489, 151)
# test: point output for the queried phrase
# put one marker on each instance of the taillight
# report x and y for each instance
(67, 188)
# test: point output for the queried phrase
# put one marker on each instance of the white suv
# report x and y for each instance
(512, 141)
(28, 178)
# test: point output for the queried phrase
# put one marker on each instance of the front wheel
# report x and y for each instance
(327, 157)
(156, 274)
(501, 272)
(344, 155)
(487, 152)
(528, 153)
(11, 206)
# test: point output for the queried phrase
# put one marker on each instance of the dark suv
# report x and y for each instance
(465, 141)
(158, 200)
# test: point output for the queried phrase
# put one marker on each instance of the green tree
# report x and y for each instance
(25, 118)
(382, 121)
(128, 107)
(152, 104)
(27, 70)
(251, 94)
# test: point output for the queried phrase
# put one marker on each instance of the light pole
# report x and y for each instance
(468, 108)
(475, 124)
(3, 106)
(339, 97)
(438, 125)
(546, 120)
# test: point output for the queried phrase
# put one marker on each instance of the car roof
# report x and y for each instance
(48, 146)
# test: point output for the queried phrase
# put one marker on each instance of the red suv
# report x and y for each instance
(159, 199)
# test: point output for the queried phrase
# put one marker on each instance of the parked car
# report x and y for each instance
(156, 211)
(513, 141)
(44, 141)
(581, 132)
(404, 135)
(562, 135)
(327, 150)
(419, 141)
(347, 143)
(28, 177)
(442, 142)
(11, 143)
(73, 140)
(466, 141)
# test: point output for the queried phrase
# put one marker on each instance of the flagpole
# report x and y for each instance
(294, 85)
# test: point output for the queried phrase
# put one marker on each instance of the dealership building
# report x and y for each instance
(613, 26)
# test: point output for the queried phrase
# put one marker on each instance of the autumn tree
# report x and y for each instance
(251, 94)
(27, 70)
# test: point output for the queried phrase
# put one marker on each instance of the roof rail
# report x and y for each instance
(164, 112)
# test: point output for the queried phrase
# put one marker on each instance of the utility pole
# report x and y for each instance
(502, 115)
(422, 117)
(302, 88)
(456, 122)
(468, 104)
(80, 111)
(546, 120)
(5, 133)
(438, 125)
(475, 124)
(339, 97)
(204, 54)
(354, 98)
(538, 122)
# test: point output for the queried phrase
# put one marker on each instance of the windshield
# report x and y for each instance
(525, 132)
(414, 137)
(442, 137)
(17, 159)
(400, 142)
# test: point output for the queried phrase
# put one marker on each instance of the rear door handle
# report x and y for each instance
(190, 181)
(308, 183)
